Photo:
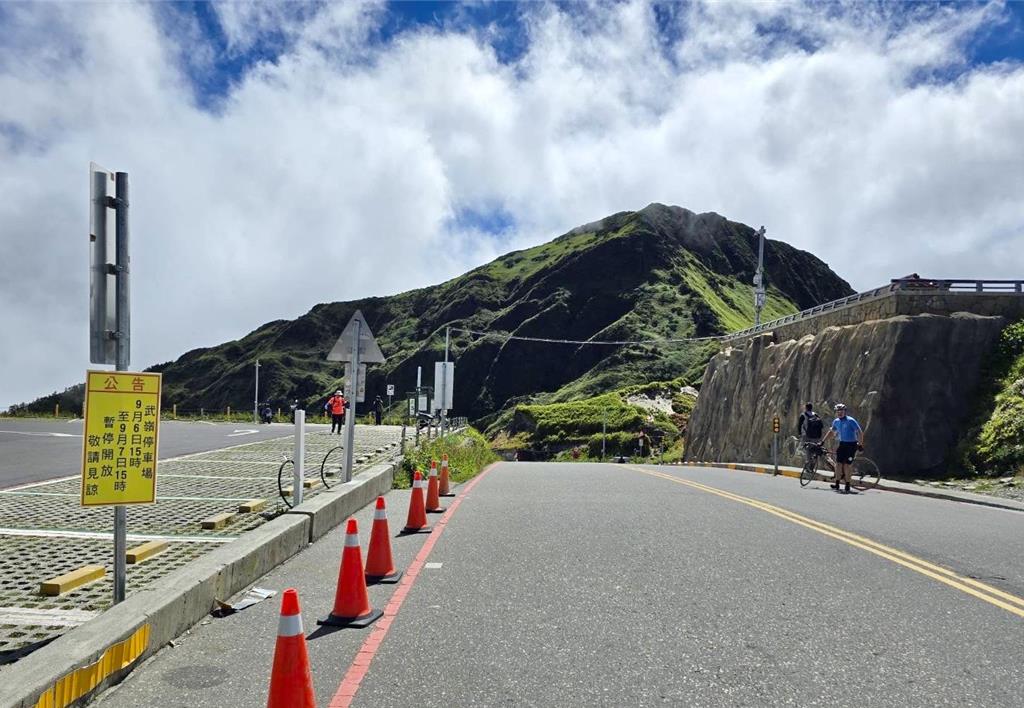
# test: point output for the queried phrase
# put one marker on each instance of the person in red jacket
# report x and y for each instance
(336, 407)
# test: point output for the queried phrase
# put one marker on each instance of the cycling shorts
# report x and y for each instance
(845, 452)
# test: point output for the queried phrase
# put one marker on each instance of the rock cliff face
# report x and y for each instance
(908, 380)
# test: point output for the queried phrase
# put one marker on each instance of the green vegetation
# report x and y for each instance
(558, 428)
(468, 453)
(994, 442)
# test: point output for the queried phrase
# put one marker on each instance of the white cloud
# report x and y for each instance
(336, 171)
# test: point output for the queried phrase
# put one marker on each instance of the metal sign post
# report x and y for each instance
(110, 314)
(123, 361)
(444, 377)
(356, 346)
(776, 426)
(353, 391)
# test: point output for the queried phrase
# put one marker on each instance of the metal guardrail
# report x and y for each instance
(896, 284)
(960, 286)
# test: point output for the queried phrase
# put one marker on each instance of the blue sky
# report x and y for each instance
(367, 149)
(1002, 41)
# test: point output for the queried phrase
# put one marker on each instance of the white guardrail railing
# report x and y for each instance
(910, 284)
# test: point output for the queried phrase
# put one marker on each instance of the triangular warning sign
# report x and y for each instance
(369, 352)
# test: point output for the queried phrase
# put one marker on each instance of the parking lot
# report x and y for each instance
(45, 532)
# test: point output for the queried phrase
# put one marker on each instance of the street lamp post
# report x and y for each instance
(759, 292)
(256, 396)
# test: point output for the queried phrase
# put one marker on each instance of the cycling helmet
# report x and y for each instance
(840, 406)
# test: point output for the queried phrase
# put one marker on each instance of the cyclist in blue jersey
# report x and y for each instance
(851, 438)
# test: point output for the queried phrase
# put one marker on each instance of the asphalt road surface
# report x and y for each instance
(32, 449)
(612, 585)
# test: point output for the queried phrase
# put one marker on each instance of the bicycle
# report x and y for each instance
(863, 477)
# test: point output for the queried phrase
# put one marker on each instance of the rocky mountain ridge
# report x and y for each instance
(661, 272)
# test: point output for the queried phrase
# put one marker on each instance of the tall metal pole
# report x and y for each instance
(419, 384)
(759, 292)
(299, 457)
(350, 417)
(444, 377)
(256, 396)
(123, 335)
(604, 428)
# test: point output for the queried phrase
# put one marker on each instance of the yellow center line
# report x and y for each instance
(994, 596)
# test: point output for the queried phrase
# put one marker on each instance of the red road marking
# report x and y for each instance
(361, 664)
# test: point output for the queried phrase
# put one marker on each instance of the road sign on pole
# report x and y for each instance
(444, 382)
(357, 347)
(360, 391)
(102, 270)
(369, 352)
(119, 451)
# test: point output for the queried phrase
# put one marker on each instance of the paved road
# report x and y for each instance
(32, 450)
(619, 585)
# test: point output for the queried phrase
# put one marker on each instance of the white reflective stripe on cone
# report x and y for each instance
(351, 539)
(380, 514)
(433, 471)
(289, 626)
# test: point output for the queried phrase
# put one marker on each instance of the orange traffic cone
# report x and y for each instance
(351, 603)
(433, 503)
(380, 567)
(291, 685)
(416, 521)
(443, 489)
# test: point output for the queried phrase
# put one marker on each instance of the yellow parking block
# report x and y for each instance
(141, 553)
(72, 580)
(310, 483)
(217, 520)
(251, 506)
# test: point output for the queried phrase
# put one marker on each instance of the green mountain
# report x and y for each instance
(661, 272)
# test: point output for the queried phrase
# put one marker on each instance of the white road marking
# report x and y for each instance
(55, 533)
(239, 433)
(35, 616)
(433, 565)
(42, 435)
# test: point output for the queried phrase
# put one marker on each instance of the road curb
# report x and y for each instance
(885, 485)
(329, 508)
(87, 658)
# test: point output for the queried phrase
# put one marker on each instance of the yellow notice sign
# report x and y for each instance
(122, 419)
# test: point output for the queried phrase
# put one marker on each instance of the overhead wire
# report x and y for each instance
(618, 342)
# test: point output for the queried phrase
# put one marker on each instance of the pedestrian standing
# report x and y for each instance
(851, 439)
(336, 407)
(378, 410)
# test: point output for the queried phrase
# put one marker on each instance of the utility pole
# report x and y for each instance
(256, 396)
(444, 377)
(759, 292)
(604, 428)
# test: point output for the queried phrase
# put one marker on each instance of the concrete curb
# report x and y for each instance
(328, 509)
(181, 599)
(885, 485)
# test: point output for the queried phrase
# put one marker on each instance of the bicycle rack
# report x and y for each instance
(280, 487)
(323, 465)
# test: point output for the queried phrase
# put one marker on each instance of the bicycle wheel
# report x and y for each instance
(280, 483)
(865, 473)
(333, 465)
(807, 474)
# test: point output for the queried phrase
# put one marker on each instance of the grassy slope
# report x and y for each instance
(994, 441)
